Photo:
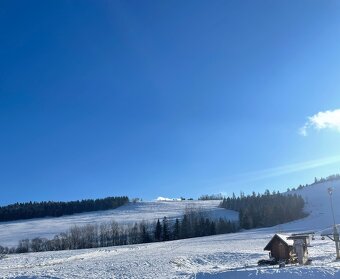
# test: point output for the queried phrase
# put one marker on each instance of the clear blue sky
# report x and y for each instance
(165, 98)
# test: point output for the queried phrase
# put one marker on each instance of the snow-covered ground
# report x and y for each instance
(12, 232)
(222, 256)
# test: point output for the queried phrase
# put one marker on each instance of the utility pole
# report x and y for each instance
(335, 230)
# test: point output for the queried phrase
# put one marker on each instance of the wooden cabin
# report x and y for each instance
(280, 247)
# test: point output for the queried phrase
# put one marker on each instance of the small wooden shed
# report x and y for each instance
(280, 247)
(301, 242)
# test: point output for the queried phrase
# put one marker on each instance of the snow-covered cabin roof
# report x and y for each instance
(283, 238)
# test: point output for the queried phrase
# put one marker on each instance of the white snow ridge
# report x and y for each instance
(221, 256)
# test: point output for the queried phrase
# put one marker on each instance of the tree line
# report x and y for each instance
(193, 224)
(211, 197)
(268, 209)
(30, 210)
(330, 178)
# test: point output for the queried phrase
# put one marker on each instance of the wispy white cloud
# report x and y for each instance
(329, 119)
(257, 175)
(291, 168)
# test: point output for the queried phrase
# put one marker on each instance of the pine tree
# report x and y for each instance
(158, 231)
(165, 232)
(184, 232)
(212, 228)
(176, 233)
(145, 237)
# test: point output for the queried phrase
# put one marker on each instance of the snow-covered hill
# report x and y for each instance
(12, 232)
(318, 206)
(222, 256)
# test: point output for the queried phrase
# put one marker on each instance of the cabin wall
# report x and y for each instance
(279, 250)
(301, 251)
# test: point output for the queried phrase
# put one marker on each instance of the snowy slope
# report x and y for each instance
(12, 232)
(222, 256)
(318, 205)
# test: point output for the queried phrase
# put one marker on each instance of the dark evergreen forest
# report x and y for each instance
(30, 210)
(256, 211)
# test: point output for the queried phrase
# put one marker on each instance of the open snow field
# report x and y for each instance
(12, 232)
(222, 256)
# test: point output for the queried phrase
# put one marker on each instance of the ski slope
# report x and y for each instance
(318, 206)
(12, 232)
(222, 256)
